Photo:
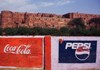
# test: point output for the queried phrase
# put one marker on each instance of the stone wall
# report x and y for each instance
(16, 19)
(81, 15)
(45, 20)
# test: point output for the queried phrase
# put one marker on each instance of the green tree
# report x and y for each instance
(77, 22)
(23, 31)
(1, 31)
(10, 31)
(96, 21)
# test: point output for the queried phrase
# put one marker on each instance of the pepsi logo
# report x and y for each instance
(82, 52)
(82, 49)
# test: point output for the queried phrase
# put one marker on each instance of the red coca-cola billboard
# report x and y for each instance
(21, 52)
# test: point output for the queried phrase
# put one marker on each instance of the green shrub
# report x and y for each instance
(10, 31)
(86, 32)
(94, 31)
(35, 31)
(1, 31)
(76, 32)
(98, 33)
(23, 31)
(45, 31)
(64, 30)
(54, 32)
(58, 17)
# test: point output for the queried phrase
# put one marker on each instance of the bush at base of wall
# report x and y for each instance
(64, 31)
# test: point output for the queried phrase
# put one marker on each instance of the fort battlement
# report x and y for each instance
(44, 20)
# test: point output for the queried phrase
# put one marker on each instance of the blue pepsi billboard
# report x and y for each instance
(77, 51)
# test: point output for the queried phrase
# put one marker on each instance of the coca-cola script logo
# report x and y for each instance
(22, 49)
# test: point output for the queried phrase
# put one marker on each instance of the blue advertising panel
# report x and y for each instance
(77, 51)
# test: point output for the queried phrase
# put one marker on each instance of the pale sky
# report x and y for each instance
(51, 6)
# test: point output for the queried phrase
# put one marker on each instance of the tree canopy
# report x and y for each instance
(77, 22)
(96, 21)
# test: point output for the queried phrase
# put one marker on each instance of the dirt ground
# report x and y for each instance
(38, 69)
(85, 69)
(19, 69)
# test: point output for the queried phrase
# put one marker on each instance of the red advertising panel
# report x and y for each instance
(21, 52)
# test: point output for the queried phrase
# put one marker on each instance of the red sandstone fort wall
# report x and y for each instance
(6, 19)
(81, 15)
(44, 20)
(16, 19)
(85, 16)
